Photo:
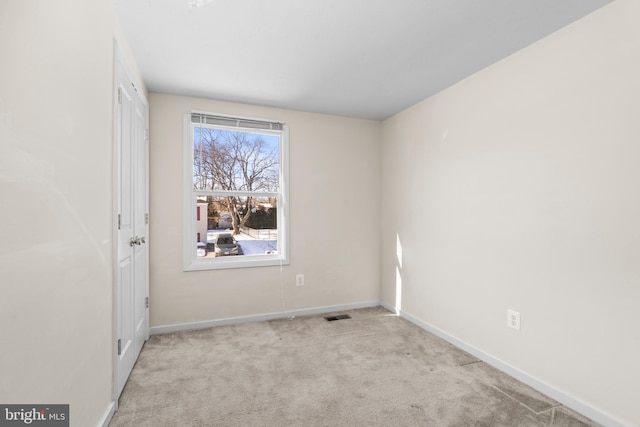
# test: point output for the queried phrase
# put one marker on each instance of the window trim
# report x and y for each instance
(190, 260)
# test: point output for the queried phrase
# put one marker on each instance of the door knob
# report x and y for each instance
(137, 241)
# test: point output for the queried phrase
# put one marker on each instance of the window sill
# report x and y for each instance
(228, 262)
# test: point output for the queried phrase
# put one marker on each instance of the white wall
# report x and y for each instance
(55, 154)
(518, 188)
(334, 210)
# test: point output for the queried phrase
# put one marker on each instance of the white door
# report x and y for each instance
(131, 235)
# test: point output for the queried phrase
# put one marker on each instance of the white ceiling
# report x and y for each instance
(358, 58)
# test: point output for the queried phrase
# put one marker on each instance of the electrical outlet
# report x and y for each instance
(513, 319)
(299, 279)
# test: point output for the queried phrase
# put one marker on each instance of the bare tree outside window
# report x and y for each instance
(237, 162)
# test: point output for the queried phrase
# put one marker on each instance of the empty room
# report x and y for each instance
(287, 213)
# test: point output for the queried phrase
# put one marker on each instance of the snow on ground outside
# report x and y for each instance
(248, 244)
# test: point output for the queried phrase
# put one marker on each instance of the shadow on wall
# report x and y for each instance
(398, 303)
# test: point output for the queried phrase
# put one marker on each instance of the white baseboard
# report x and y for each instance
(106, 418)
(561, 397)
(389, 307)
(157, 330)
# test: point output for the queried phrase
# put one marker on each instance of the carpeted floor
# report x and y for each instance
(374, 369)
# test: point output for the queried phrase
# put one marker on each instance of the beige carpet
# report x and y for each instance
(374, 369)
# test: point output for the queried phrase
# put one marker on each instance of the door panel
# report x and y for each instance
(126, 356)
(141, 251)
(131, 200)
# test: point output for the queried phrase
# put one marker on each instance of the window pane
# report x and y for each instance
(235, 160)
(236, 226)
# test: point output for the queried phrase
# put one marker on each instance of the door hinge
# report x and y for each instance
(146, 218)
(146, 302)
(146, 134)
(119, 347)
(119, 221)
(119, 95)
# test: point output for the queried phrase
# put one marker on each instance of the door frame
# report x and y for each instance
(120, 63)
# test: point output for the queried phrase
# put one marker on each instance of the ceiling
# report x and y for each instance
(358, 58)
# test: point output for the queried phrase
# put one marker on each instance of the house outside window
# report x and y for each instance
(235, 192)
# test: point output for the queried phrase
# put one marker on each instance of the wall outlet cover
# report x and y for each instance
(513, 319)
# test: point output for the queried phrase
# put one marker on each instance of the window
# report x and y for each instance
(235, 192)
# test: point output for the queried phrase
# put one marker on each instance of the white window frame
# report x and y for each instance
(190, 260)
